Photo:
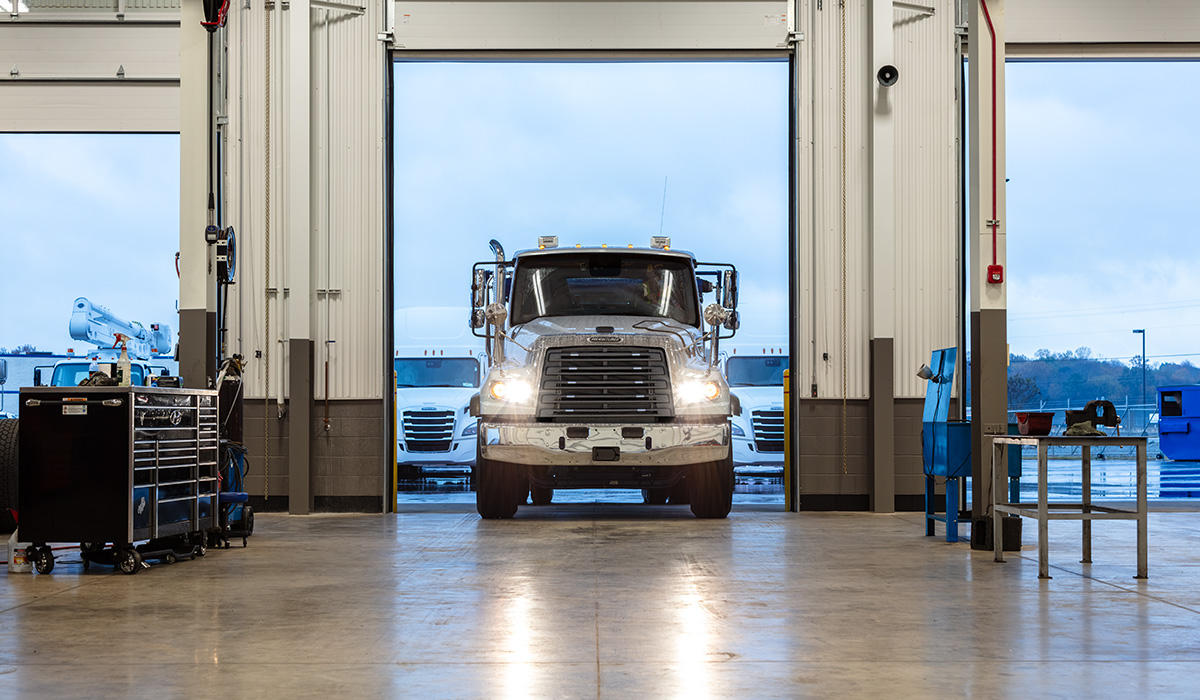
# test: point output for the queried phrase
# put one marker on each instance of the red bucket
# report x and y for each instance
(1035, 422)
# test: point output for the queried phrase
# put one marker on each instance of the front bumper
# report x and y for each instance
(745, 454)
(462, 453)
(658, 444)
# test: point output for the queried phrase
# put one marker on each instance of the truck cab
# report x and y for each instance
(601, 373)
(72, 372)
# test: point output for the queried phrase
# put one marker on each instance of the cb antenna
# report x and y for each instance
(663, 215)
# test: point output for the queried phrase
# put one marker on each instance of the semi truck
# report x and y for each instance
(757, 382)
(602, 372)
(438, 371)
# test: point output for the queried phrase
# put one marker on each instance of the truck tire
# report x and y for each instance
(541, 495)
(711, 488)
(496, 488)
(656, 496)
(8, 472)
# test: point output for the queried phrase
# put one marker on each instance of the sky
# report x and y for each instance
(514, 151)
(93, 216)
(1102, 226)
(1102, 181)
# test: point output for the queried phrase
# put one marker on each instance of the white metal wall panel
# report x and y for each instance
(67, 77)
(1101, 21)
(822, 322)
(347, 200)
(36, 7)
(926, 120)
(589, 25)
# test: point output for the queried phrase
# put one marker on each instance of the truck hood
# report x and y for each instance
(446, 397)
(632, 330)
(758, 397)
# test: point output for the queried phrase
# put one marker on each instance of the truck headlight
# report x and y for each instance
(737, 430)
(471, 429)
(699, 391)
(511, 390)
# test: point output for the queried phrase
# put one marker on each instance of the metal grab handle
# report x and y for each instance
(32, 403)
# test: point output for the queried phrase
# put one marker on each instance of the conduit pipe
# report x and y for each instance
(995, 272)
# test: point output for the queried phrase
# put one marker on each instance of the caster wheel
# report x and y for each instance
(91, 547)
(86, 565)
(129, 561)
(43, 560)
(200, 549)
(170, 559)
(243, 543)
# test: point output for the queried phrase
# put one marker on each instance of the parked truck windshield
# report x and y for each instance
(755, 371)
(435, 372)
(605, 284)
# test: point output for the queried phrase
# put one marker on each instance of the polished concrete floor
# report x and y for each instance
(615, 601)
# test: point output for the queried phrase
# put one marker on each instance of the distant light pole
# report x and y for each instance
(1142, 331)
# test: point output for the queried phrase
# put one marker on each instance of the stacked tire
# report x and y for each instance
(8, 473)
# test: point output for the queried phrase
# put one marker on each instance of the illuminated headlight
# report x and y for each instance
(699, 391)
(511, 390)
(737, 430)
(471, 429)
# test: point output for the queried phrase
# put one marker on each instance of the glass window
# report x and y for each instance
(604, 285)
(430, 372)
(755, 371)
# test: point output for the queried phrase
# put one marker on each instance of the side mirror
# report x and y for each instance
(3, 371)
(705, 286)
(733, 321)
(729, 289)
(37, 376)
(477, 318)
(479, 283)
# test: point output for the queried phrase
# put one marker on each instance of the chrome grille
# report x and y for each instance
(625, 384)
(428, 431)
(768, 430)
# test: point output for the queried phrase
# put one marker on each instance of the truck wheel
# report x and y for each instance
(541, 495)
(8, 472)
(496, 489)
(656, 497)
(680, 493)
(711, 488)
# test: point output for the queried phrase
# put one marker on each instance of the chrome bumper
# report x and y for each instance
(548, 444)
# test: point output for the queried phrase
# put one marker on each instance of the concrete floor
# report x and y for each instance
(615, 601)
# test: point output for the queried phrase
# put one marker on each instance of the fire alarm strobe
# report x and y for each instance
(995, 274)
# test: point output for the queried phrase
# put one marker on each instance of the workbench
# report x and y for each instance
(1045, 510)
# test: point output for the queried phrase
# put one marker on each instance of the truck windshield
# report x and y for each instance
(755, 371)
(428, 371)
(605, 284)
(72, 373)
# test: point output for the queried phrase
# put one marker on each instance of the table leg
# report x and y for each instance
(1142, 564)
(1087, 504)
(1043, 514)
(997, 529)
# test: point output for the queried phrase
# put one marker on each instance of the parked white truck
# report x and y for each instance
(602, 373)
(757, 381)
(438, 371)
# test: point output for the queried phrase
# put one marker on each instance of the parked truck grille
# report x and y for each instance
(768, 430)
(608, 384)
(428, 431)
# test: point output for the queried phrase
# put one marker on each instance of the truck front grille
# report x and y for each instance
(428, 431)
(768, 430)
(617, 385)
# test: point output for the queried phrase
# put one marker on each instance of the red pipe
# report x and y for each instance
(991, 30)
